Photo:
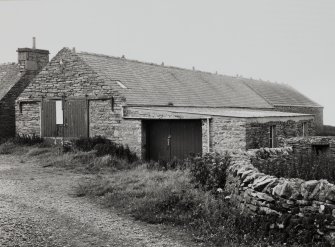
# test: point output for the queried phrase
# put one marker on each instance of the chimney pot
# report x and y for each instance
(34, 43)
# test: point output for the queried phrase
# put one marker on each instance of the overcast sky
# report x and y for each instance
(289, 41)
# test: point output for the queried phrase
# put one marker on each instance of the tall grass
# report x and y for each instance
(170, 197)
(305, 166)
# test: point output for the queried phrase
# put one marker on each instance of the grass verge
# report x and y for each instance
(169, 197)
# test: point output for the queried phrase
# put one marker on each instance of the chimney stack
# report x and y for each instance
(32, 59)
(34, 43)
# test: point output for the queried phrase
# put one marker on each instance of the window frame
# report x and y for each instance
(59, 118)
(272, 130)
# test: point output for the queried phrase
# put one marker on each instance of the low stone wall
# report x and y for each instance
(309, 205)
(305, 144)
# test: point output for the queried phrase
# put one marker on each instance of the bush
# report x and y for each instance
(103, 147)
(88, 144)
(209, 171)
(26, 140)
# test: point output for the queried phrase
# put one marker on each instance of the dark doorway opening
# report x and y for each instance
(321, 149)
(173, 139)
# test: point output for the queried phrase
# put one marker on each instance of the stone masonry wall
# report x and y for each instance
(305, 145)
(28, 122)
(105, 122)
(225, 135)
(75, 79)
(316, 111)
(7, 105)
(293, 202)
(257, 134)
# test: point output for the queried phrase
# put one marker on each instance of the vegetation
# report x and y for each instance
(328, 130)
(104, 146)
(187, 194)
(306, 166)
(17, 144)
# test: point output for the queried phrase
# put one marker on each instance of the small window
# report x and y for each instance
(272, 136)
(59, 112)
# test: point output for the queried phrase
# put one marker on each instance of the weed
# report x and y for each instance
(7, 148)
(38, 151)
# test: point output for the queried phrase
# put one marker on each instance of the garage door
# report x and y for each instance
(168, 139)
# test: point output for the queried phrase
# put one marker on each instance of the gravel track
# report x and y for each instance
(38, 208)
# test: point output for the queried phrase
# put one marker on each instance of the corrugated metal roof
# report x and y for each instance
(9, 75)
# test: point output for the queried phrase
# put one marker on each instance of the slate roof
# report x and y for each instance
(151, 84)
(280, 94)
(9, 75)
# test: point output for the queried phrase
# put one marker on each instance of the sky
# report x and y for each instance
(285, 41)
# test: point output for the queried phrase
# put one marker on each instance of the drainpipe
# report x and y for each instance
(208, 137)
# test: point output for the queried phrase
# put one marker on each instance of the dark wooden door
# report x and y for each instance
(170, 139)
(159, 148)
(75, 118)
(48, 118)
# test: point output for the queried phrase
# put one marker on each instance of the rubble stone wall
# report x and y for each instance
(316, 111)
(292, 201)
(257, 135)
(305, 145)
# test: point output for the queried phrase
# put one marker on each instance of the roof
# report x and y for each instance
(9, 75)
(151, 84)
(278, 94)
(221, 112)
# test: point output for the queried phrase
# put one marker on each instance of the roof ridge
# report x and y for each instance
(151, 63)
(175, 67)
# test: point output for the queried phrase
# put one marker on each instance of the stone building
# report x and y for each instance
(14, 78)
(160, 112)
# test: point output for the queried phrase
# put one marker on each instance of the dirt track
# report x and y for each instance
(38, 208)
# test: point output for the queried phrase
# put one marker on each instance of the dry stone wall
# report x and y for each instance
(305, 145)
(292, 202)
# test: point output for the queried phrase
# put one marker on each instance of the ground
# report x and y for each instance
(38, 208)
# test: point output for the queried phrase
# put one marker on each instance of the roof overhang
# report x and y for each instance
(259, 116)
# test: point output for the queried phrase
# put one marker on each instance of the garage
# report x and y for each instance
(173, 139)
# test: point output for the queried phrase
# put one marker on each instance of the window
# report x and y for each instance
(272, 136)
(59, 112)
